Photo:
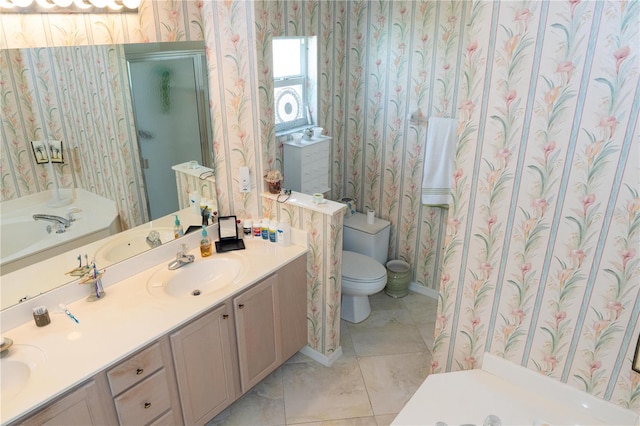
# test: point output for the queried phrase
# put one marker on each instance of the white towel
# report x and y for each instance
(439, 156)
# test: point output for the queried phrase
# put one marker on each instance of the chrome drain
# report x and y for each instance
(196, 292)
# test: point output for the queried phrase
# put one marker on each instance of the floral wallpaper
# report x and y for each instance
(540, 264)
(80, 96)
(536, 258)
(324, 270)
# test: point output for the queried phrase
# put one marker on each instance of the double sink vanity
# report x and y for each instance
(162, 347)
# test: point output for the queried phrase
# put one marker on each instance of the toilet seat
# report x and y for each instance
(357, 267)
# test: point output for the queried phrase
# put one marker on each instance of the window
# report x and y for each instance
(293, 86)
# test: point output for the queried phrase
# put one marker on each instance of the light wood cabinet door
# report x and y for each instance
(258, 331)
(292, 289)
(90, 404)
(205, 368)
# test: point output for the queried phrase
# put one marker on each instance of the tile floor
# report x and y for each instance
(385, 358)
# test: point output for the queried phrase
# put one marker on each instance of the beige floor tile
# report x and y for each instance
(358, 421)
(313, 392)
(385, 419)
(385, 358)
(345, 340)
(391, 380)
(419, 302)
(386, 332)
(382, 302)
(299, 357)
(262, 405)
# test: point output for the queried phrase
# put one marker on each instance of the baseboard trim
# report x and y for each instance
(425, 291)
(327, 361)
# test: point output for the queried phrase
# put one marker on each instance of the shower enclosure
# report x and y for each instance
(170, 104)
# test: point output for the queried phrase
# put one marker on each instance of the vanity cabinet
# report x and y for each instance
(143, 386)
(271, 322)
(306, 165)
(194, 372)
(205, 367)
(89, 404)
(258, 332)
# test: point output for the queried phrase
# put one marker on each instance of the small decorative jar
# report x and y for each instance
(274, 181)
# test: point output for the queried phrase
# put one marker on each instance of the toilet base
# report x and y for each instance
(355, 309)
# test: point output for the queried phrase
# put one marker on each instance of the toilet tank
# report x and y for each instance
(370, 240)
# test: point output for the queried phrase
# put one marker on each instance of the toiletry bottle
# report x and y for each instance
(257, 229)
(273, 230)
(205, 243)
(247, 230)
(284, 234)
(205, 216)
(280, 235)
(177, 228)
(264, 229)
(203, 205)
(194, 202)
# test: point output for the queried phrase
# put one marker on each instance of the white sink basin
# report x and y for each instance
(17, 368)
(129, 243)
(201, 277)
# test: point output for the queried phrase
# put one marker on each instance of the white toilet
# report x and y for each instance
(365, 249)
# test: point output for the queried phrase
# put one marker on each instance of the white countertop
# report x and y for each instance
(126, 320)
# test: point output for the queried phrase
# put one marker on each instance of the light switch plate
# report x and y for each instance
(245, 180)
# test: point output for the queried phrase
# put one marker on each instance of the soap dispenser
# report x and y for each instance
(177, 228)
(205, 243)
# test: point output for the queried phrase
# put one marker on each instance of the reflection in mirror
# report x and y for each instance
(227, 227)
(82, 96)
(170, 101)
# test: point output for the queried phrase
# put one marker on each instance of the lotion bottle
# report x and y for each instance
(177, 228)
(205, 243)
(194, 201)
(273, 231)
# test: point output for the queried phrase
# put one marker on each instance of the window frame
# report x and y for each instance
(291, 80)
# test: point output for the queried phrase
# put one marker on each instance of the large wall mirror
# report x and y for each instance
(125, 114)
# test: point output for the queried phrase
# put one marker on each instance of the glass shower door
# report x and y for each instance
(166, 100)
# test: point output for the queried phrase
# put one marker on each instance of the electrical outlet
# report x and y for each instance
(245, 180)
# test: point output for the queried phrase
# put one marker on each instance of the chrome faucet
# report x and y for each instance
(60, 223)
(182, 258)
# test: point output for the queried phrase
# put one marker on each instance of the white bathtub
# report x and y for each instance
(24, 241)
(516, 395)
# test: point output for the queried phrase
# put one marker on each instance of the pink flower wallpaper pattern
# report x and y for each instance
(536, 258)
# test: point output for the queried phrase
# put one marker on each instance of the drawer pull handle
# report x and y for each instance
(147, 405)
(139, 371)
(241, 306)
(225, 316)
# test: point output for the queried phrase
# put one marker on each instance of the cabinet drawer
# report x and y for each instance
(145, 401)
(318, 157)
(167, 419)
(134, 369)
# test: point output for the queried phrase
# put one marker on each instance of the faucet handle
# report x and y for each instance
(184, 248)
(59, 228)
(70, 213)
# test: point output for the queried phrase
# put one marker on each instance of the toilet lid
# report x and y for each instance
(358, 267)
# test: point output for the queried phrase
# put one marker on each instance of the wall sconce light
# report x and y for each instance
(69, 6)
